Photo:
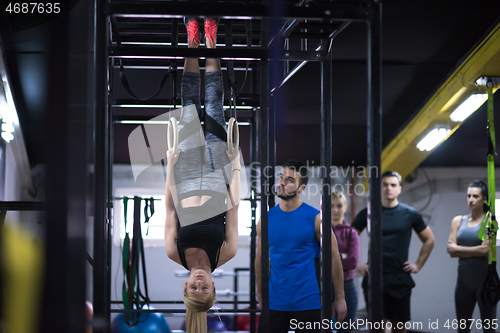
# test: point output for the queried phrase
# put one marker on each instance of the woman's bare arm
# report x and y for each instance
(230, 246)
(459, 251)
(171, 221)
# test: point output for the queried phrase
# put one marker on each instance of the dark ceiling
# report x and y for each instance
(422, 43)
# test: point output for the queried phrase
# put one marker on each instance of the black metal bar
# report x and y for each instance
(236, 302)
(235, 297)
(374, 137)
(330, 11)
(248, 100)
(3, 214)
(175, 32)
(326, 185)
(64, 150)
(160, 64)
(157, 52)
(264, 184)
(23, 205)
(253, 233)
(286, 29)
(90, 259)
(101, 290)
(302, 63)
(183, 311)
(109, 192)
(180, 301)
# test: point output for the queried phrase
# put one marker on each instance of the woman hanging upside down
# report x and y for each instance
(203, 184)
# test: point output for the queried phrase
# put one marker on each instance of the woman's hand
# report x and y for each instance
(234, 157)
(363, 268)
(172, 157)
(452, 248)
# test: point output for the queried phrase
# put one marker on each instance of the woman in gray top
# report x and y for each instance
(473, 260)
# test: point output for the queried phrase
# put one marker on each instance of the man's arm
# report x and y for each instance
(361, 266)
(258, 265)
(339, 305)
(427, 239)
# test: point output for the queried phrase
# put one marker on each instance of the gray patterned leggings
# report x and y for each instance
(203, 167)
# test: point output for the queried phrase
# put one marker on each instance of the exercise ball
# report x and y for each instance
(244, 322)
(148, 323)
(228, 321)
(214, 324)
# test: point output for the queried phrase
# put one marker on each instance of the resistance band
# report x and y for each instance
(133, 254)
(490, 293)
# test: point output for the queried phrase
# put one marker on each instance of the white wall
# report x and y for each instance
(433, 297)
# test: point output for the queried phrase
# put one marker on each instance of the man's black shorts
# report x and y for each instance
(283, 321)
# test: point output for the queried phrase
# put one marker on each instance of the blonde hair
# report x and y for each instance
(339, 195)
(196, 312)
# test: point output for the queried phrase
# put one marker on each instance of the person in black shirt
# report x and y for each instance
(398, 220)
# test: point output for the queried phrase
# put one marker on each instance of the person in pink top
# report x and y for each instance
(348, 243)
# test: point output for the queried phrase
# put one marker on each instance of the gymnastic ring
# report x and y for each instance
(172, 135)
(231, 136)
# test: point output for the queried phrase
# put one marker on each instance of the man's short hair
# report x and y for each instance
(300, 168)
(392, 174)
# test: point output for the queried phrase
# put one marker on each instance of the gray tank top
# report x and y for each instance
(467, 236)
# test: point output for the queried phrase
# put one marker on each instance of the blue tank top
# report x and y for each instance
(293, 248)
(467, 236)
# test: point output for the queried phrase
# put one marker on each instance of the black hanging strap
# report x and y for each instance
(123, 79)
(149, 210)
(123, 76)
(212, 126)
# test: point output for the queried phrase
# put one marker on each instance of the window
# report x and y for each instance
(245, 217)
(153, 232)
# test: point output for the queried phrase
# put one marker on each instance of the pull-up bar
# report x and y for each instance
(227, 10)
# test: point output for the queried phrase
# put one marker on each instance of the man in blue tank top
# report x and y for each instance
(398, 221)
(294, 234)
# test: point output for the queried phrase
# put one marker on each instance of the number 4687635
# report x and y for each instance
(33, 8)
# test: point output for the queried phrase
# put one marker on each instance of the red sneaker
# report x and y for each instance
(193, 31)
(211, 32)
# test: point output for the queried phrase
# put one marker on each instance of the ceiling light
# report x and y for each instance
(471, 104)
(433, 138)
(7, 127)
(7, 130)
(7, 136)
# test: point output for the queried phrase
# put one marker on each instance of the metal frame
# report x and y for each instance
(102, 175)
(326, 185)
(368, 11)
(374, 144)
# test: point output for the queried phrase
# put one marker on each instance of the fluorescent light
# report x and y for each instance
(7, 132)
(7, 127)
(433, 138)
(7, 136)
(471, 104)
